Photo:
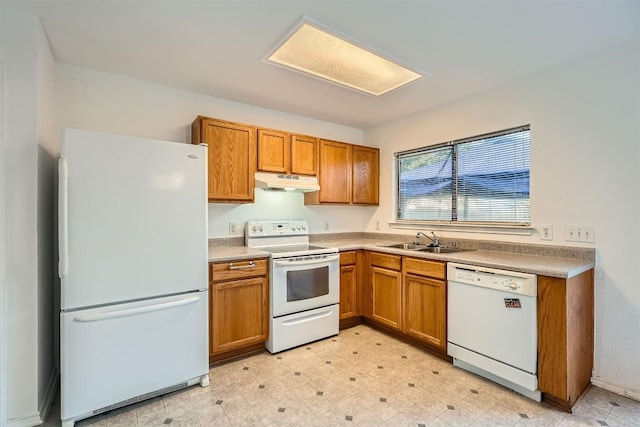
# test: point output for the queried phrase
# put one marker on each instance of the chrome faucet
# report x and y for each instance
(435, 239)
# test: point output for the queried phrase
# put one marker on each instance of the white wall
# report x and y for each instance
(585, 152)
(29, 367)
(99, 101)
(48, 151)
(280, 205)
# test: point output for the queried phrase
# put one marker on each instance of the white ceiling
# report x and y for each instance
(217, 47)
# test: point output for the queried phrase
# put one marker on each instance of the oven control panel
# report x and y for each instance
(277, 228)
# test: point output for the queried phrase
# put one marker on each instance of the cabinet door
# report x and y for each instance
(386, 290)
(425, 305)
(274, 154)
(335, 172)
(239, 314)
(348, 291)
(232, 159)
(365, 175)
(304, 155)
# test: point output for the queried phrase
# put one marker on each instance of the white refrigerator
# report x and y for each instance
(133, 268)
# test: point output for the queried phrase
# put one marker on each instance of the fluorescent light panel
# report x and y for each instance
(316, 52)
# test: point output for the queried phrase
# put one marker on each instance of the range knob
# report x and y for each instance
(260, 228)
(254, 228)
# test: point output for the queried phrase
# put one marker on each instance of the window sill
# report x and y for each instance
(518, 230)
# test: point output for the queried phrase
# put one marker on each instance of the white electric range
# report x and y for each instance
(304, 285)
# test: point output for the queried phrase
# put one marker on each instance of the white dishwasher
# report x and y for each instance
(492, 325)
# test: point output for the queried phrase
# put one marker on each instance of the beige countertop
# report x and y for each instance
(527, 263)
(230, 253)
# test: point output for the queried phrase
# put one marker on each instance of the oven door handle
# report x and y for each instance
(330, 258)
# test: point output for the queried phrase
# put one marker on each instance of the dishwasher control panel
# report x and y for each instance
(502, 280)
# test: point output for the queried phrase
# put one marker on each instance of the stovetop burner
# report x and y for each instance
(293, 248)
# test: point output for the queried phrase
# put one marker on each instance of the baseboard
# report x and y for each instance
(30, 421)
(631, 394)
(43, 407)
(49, 395)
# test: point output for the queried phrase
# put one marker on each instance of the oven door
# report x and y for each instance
(303, 283)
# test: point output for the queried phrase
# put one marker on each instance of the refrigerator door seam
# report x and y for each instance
(133, 311)
(64, 218)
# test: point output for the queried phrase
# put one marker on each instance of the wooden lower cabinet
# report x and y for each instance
(348, 285)
(387, 296)
(385, 279)
(407, 297)
(238, 308)
(565, 337)
(425, 301)
(425, 316)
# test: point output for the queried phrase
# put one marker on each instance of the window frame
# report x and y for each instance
(453, 222)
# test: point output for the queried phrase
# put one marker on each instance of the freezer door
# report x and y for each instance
(133, 218)
(115, 353)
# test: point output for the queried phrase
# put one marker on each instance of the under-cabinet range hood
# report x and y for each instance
(281, 182)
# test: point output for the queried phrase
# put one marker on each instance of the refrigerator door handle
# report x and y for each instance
(63, 211)
(133, 311)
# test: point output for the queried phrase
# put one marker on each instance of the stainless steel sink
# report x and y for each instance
(423, 248)
(442, 250)
(406, 246)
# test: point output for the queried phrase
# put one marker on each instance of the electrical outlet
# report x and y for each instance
(233, 228)
(377, 225)
(546, 232)
(576, 233)
(326, 226)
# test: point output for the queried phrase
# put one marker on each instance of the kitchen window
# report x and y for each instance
(478, 180)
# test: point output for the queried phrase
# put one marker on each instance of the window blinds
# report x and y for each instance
(483, 179)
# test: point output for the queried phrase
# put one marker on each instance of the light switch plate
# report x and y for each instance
(576, 233)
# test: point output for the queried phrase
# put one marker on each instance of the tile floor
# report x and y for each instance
(360, 378)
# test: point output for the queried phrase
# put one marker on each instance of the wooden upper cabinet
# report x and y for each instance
(281, 152)
(274, 151)
(334, 174)
(232, 158)
(304, 155)
(366, 162)
(348, 174)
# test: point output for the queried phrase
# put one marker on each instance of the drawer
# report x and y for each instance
(423, 267)
(238, 269)
(347, 258)
(392, 262)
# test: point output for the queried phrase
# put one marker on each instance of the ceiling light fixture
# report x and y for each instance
(317, 51)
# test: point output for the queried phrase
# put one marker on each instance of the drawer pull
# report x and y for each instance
(241, 267)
